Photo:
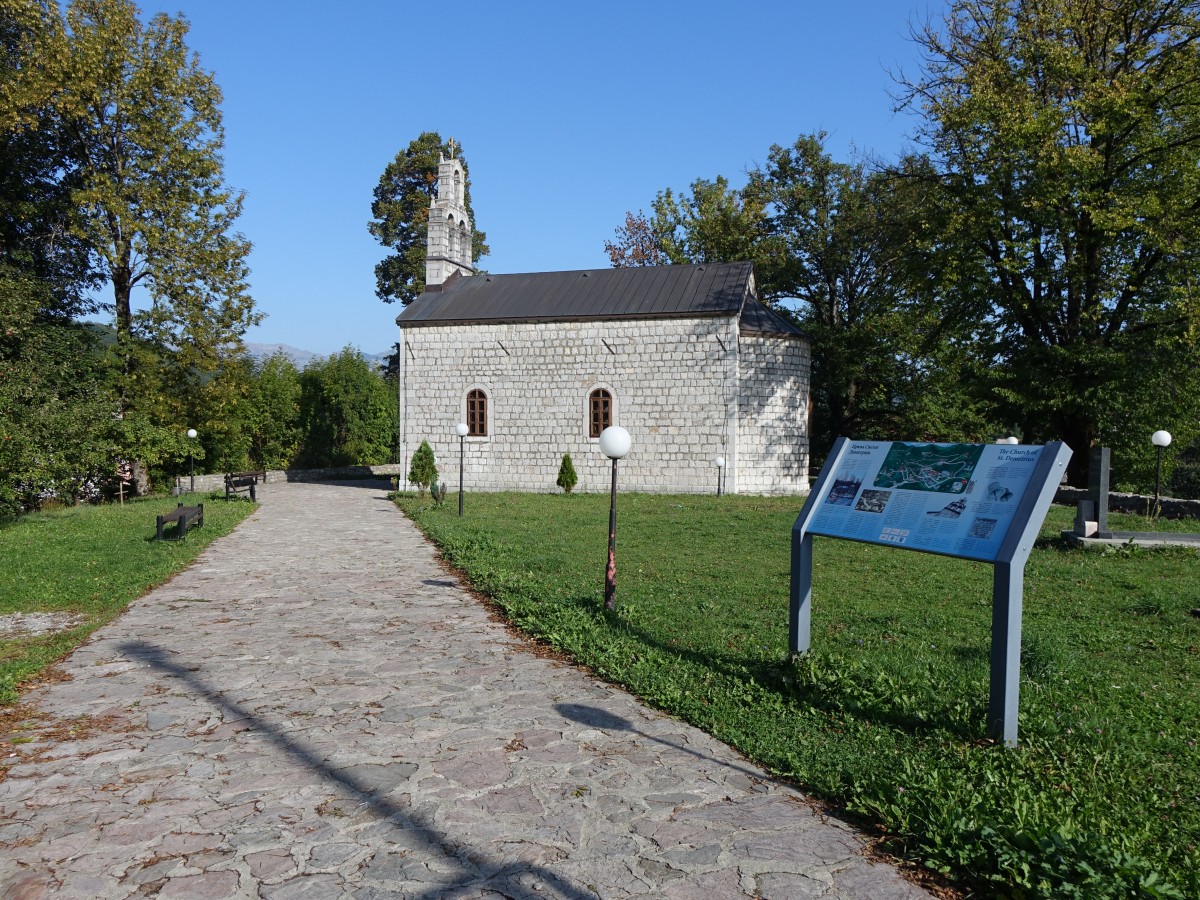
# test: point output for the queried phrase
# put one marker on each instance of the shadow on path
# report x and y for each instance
(479, 875)
(595, 717)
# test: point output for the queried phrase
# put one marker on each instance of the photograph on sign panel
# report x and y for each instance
(939, 468)
(843, 491)
(873, 501)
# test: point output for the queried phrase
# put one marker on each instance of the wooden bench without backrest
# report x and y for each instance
(243, 481)
(183, 516)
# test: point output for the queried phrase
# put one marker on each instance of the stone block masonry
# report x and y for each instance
(687, 389)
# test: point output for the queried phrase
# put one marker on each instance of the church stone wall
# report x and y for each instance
(772, 434)
(673, 381)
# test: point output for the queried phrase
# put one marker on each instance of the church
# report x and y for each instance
(685, 358)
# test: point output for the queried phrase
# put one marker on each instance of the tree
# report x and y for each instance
(275, 412)
(567, 479)
(401, 216)
(836, 247)
(142, 139)
(422, 471)
(1064, 144)
(834, 237)
(636, 244)
(713, 222)
(348, 412)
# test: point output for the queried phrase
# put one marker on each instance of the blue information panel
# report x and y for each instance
(953, 499)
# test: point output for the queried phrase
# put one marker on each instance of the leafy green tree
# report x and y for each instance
(59, 432)
(830, 238)
(401, 216)
(567, 479)
(142, 137)
(1064, 145)
(275, 412)
(348, 412)
(422, 471)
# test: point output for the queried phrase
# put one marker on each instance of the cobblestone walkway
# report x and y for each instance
(315, 709)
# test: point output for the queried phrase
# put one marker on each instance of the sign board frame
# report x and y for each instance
(1008, 557)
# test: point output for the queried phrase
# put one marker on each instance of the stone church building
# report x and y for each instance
(684, 358)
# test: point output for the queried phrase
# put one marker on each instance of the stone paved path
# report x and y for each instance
(316, 710)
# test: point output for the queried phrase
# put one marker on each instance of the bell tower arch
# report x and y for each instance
(448, 247)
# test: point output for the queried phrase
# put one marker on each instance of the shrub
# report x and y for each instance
(423, 470)
(567, 479)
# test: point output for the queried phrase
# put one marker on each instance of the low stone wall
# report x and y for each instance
(216, 482)
(1139, 504)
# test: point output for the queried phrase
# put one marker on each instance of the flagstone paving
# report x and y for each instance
(316, 709)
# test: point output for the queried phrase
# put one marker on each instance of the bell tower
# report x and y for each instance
(448, 247)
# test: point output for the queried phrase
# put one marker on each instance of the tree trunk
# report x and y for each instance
(1078, 434)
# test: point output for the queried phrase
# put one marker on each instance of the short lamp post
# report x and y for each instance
(1160, 439)
(719, 462)
(461, 430)
(191, 433)
(615, 444)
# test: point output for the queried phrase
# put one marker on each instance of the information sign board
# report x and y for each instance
(953, 499)
(979, 501)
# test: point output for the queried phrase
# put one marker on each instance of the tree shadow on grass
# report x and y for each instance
(475, 869)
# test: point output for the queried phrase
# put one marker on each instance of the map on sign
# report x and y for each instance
(954, 499)
(941, 468)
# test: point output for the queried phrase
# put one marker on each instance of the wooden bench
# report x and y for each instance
(243, 481)
(183, 516)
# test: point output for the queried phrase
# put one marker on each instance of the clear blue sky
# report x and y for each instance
(569, 114)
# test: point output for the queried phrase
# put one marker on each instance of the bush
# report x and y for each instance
(567, 479)
(423, 470)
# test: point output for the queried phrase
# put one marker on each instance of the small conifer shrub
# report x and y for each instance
(567, 478)
(423, 470)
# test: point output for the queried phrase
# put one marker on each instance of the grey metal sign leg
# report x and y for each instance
(800, 612)
(1008, 582)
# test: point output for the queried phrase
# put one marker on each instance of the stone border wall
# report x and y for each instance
(216, 482)
(1139, 504)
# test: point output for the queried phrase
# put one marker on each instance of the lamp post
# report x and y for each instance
(719, 462)
(614, 443)
(461, 429)
(191, 433)
(1159, 439)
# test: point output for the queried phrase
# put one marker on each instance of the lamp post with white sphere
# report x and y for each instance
(615, 444)
(719, 462)
(191, 433)
(1159, 439)
(461, 430)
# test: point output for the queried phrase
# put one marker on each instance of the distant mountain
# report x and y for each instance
(300, 357)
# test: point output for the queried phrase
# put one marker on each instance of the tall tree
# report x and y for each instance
(837, 240)
(831, 236)
(1065, 141)
(142, 134)
(401, 216)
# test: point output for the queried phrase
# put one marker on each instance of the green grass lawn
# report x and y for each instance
(90, 562)
(886, 717)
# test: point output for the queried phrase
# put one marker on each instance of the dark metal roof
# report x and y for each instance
(647, 292)
(758, 319)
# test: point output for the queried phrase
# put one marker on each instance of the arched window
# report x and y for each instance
(599, 411)
(464, 244)
(452, 240)
(457, 187)
(477, 413)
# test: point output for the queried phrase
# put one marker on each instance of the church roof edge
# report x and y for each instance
(710, 289)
